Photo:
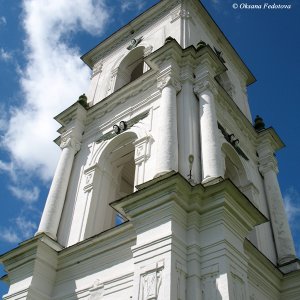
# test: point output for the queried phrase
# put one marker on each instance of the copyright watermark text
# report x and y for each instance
(264, 6)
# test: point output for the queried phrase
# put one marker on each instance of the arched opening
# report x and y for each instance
(115, 180)
(137, 71)
(234, 169)
(131, 67)
(225, 82)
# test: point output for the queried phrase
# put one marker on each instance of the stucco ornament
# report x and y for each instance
(69, 142)
(97, 291)
(150, 285)
(134, 43)
(168, 81)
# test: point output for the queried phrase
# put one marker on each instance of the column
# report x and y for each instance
(282, 234)
(209, 133)
(70, 145)
(56, 197)
(167, 143)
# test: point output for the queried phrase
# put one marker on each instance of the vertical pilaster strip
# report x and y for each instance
(189, 144)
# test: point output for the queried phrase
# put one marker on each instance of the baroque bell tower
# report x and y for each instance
(164, 188)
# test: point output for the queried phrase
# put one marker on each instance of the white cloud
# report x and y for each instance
(26, 227)
(9, 235)
(28, 196)
(22, 229)
(132, 5)
(52, 80)
(3, 118)
(4, 166)
(291, 202)
(8, 167)
(2, 20)
(4, 55)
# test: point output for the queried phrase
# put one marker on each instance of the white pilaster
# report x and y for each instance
(282, 234)
(211, 154)
(188, 116)
(142, 154)
(95, 80)
(167, 146)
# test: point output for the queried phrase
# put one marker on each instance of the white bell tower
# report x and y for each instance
(164, 188)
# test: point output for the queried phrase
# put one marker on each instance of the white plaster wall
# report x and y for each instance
(199, 31)
(263, 237)
(72, 226)
(153, 36)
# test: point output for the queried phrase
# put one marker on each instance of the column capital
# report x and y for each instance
(70, 142)
(186, 73)
(97, 68)
(205, 84)
(268, 163)
(266, 157)
(168, 80)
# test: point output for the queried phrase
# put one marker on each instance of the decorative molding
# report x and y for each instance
(228, 110)
(134, 43)
(239, 289)
(186, 73)
(97, 68)
(268, 163)
(168, 80)
(70, 142)
(89, 177)
(181, 281)
(205, 84)
(112, 81)
(227, 137)
(180, 13)
(111, 134)
(97, 291)
(209, 288)
(151, 281)
(151, 19)
(148, 50)
(252, 193)
(142, 149)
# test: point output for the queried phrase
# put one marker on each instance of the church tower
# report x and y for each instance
(164, 189)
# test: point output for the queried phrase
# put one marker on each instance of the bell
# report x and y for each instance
(83, 100)
(201, 45)
(259, 124)
(168, 39)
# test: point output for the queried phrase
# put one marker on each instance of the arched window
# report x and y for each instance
(225, 82)
(131, 67)
(234, 169)
(115, 180)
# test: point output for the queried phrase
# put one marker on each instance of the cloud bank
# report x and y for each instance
(127, 5)
(291, 201)
(52, 79)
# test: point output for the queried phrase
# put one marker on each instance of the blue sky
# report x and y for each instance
(41, 74)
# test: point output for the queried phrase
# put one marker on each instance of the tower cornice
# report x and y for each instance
(129, 31)
(134, 28)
